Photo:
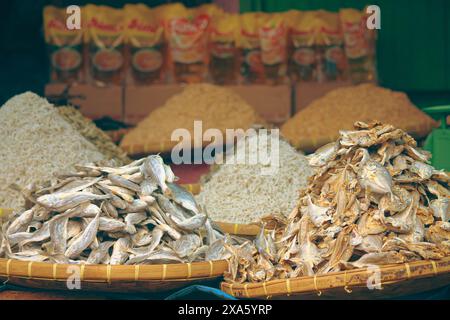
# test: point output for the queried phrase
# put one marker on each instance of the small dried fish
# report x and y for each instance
(97, 255)
(123, 215)
(67, 200)
(120, 251)
(153, 167)
(183, 198)
(85, 239)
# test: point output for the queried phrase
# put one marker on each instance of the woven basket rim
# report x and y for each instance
(391, 273)
(108, 273)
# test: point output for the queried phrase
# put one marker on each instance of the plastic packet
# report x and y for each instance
(224, 57)
(145, 38)
(252, 69)
(273, 39)
(302, 36)
(106, 38)
(332, 62)
(65, 47)
(359, 45)
(187, 37)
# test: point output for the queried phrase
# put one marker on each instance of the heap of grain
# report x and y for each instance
(244, 193)
(35, 143)
(97, 137)
(215, 106)
(320, 122)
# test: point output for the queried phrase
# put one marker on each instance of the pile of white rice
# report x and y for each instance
(35, 143)
(244, 193)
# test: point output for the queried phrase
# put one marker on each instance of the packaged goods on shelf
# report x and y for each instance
(252, 69)
(244, 193)
(187, 38)
(320, 122)
(224, 57)
(359, 45)
(273, 32)
(64, 46)
(302, 57)
(330, 48)
(145, 38)
(373, 200)
(105, 37)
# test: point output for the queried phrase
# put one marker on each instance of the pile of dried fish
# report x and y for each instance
(373, 200)
(134, 214)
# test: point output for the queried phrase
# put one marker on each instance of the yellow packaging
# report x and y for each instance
(145, 38)
(252, 68)
(330, 47)
(187, 38)
(224, 61)
(106, 37)
(273, 40)
(303, 35)
(65, 46)
(359, 45)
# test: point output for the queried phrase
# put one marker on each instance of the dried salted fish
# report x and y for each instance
(126, 215)
(85, 239)
(423, 170)
(183, 198)
(318, 215)
(124, 183)
(373, 201)
(67, 200)
(58, 234)
(21, 222)
(438, 233)
(120, 251)
(441, 208)
(97, 255)
(153, 167)
(375, 258)
(373, 176)
(111, 225)
(131, 219)
(323, 154)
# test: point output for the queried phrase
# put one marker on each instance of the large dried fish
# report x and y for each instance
(373, 200)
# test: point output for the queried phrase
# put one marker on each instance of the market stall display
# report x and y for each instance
(320, 122)
(134, 214)
(244, 193)
(171, 43)
(36, 143)
(64, 46)
(374, 200)
(216, 107)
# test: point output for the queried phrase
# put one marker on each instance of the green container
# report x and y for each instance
(438, 142)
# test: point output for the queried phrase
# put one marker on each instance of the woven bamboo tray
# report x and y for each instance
(396, 280)
(116, 278)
